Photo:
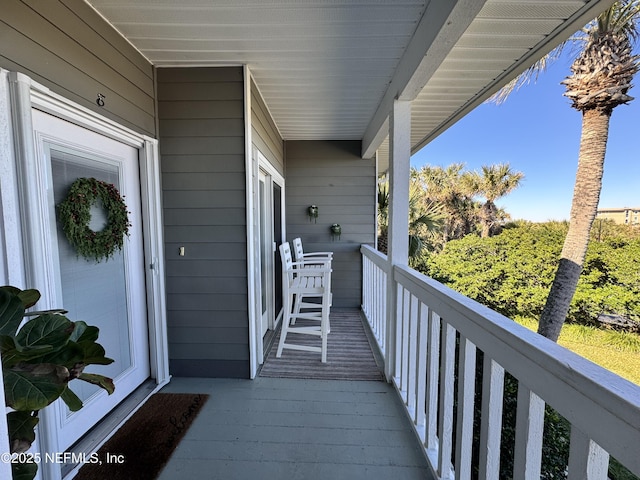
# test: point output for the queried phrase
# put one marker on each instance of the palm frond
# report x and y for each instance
(528, 76)
(621, 17)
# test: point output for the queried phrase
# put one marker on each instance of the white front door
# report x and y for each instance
(109, 294)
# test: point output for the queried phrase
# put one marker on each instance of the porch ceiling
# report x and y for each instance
(328, 69)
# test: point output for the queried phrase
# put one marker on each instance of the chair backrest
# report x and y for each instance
(297, 248)
(287, 260)
(301, 256)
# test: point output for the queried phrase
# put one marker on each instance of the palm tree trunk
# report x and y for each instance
(586, 194)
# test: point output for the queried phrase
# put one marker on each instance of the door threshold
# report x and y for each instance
(106, 427)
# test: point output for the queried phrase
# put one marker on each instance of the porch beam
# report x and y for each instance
(441, 25)
(398, 230)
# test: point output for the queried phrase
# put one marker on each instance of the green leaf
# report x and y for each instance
(11, 311)
(85, 337)
(94, 354)
(21, 430)
(33, 387)
(100, 380)
(29, 297)
(83, 332)
(23, 471)
(68, 356)
(71, 399)
(7, 344)
(13, 353)
(48, 329)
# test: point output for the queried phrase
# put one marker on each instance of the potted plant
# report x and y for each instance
(39, 359)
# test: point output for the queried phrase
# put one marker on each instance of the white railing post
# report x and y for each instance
(398, 234)
(529, 429)
(587, 460)
(466, 394)
(491, 420)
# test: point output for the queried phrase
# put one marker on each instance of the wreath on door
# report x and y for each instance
(75, 215)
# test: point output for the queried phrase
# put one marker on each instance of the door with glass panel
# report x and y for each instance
(109, 294)
(270, 231)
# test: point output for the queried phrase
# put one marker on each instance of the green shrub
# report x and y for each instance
(511, 273)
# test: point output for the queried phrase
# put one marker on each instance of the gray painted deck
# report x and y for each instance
(280, 428)
(287, 428)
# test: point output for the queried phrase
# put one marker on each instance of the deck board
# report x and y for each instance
(349, 354)
(281, 428)
(301, 419)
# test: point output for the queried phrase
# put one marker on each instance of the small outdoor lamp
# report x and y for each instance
(312, 211)
(336, 231)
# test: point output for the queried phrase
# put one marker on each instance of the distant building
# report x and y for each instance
(626, 215)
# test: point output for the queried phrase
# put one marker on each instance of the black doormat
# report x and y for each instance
(143, 445)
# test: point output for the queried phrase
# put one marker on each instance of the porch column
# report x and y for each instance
(398, 234)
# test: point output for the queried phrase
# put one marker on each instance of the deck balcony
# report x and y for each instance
(430, 345)
(432, 350)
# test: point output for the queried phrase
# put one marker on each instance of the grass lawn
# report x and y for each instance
(615, 351)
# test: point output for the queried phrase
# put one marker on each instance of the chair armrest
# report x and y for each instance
(317, 254)
(311, 263)
(310, 272)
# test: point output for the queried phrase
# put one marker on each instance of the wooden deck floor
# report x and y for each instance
(349, 353)
(287, 428)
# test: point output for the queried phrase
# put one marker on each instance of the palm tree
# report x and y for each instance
(600, 78)
(494, 182)
(454, 189)
(425, 219)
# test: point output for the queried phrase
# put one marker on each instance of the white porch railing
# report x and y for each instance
(438, 333)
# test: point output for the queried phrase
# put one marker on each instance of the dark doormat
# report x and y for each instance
(143, 445)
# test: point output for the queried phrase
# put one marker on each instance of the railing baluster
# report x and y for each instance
(412, 353)
(466, 397)
(433, 360)
(403, 342)
(491, 420)
(382, 295)
(421, 371)
(380, 305)
(529, 429)
(447, 367)
(587, 460)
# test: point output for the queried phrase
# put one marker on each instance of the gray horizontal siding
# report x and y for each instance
(201, 125)
(264, 133)
(200, 109)
(202, 163)
(201, 180)
(67, 46)
(203, 318)
(331, 175)
(223, 269)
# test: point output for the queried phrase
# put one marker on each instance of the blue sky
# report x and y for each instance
(538, 133)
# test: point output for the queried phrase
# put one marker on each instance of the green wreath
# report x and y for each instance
(75, 214)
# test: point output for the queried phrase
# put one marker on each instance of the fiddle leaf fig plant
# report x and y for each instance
(39, 359)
